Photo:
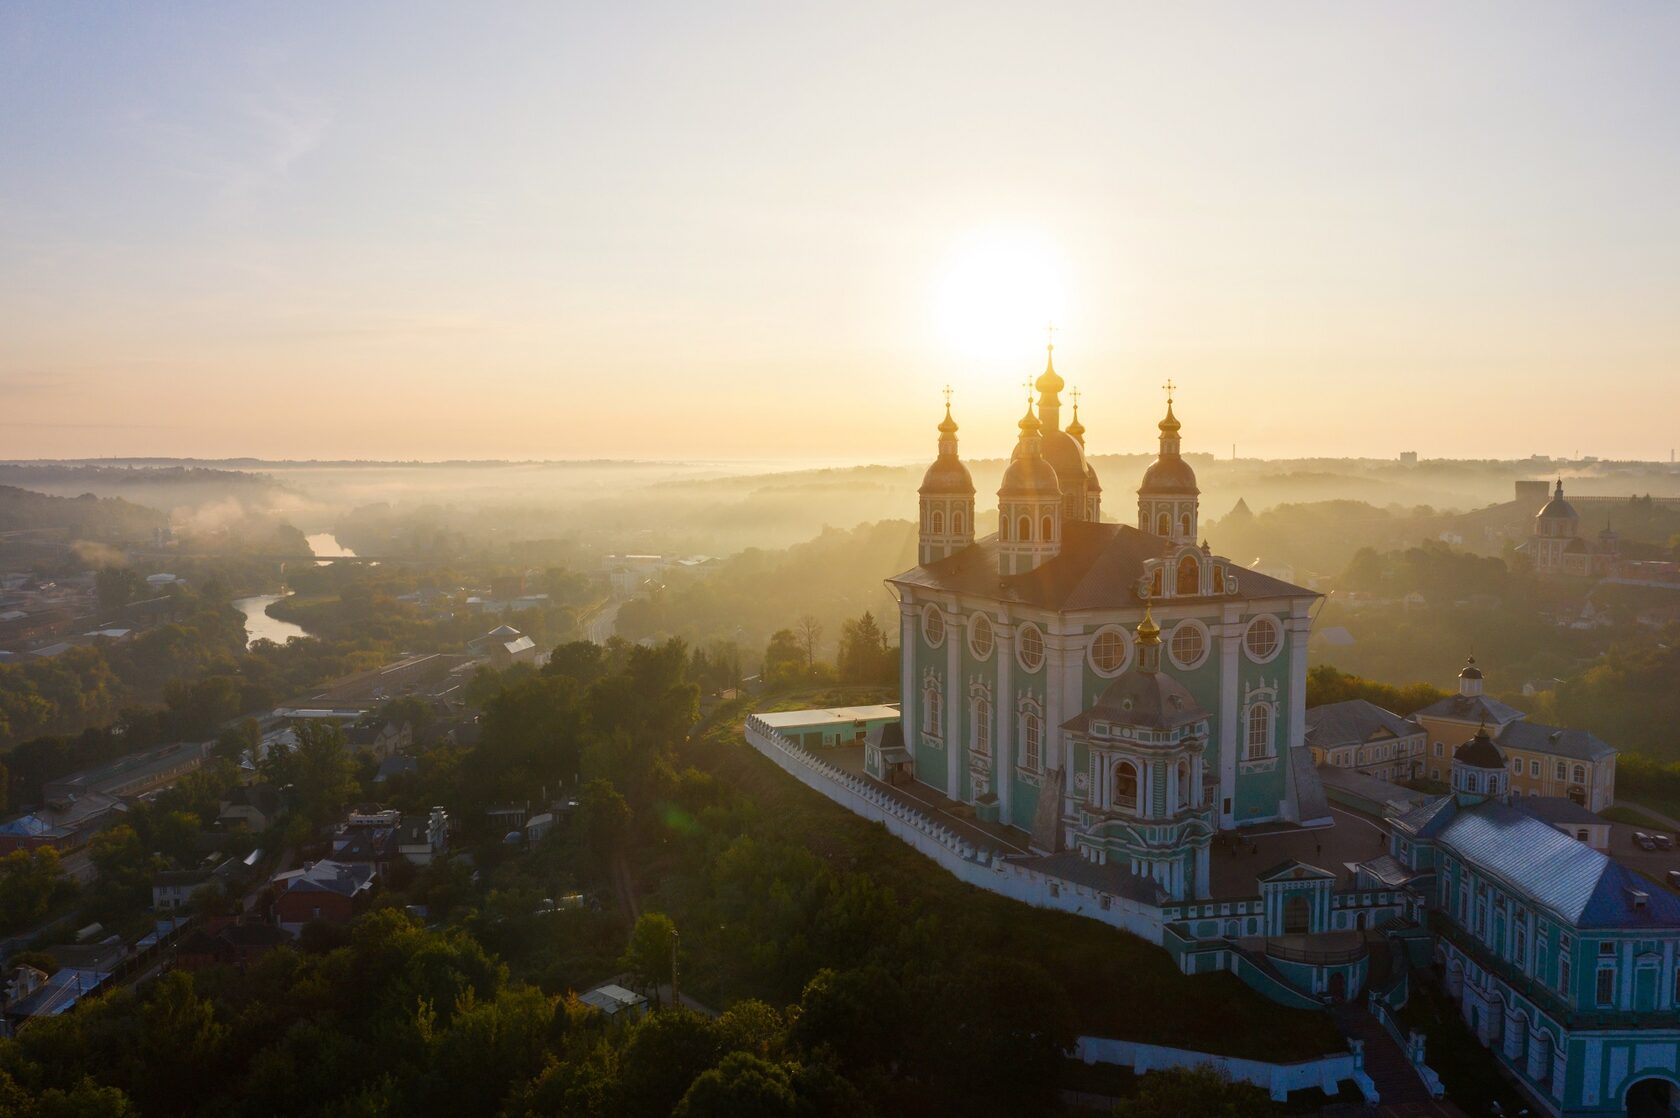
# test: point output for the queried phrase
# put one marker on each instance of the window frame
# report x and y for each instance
(1253, 626)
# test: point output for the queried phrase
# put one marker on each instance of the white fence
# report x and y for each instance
(1279, 1079)
(982, 866)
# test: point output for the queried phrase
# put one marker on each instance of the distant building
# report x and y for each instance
(613, 1000)
(1362, 736)
(1557, 547)
(1408, 457)
(328, 891)
(1543, 760)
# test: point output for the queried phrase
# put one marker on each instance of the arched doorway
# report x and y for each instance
(1297, 915)
(1651, 1098)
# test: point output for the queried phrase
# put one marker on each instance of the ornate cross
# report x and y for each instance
(1050, 333)
(947, 396)
(1074, 395)
(1169, 386)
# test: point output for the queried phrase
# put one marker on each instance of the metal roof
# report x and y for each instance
(1354, 722)
(1535, 737)
(1540, 863)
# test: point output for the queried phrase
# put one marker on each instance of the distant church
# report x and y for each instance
(1558, 548)
(1113, 690)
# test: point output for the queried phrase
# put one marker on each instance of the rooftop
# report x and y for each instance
(829, 716)
(1354, 722)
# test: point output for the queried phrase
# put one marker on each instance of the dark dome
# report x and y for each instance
(1065, 455)
(1169, 475)
(1480, 752)
(1030, 476)
(1471, 671)
(948, 475)
(1559, 509)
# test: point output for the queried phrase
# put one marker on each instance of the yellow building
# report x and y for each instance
(1543, 760)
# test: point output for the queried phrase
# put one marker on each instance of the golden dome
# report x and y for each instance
(1049, 380)
(1170, 424)
(1148, 632)
(948, 426)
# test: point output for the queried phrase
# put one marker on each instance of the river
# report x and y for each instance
(258, 624)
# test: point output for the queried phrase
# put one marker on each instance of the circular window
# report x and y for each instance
(933, 626)
(1109, 651)
(1031, 650)
(1263, 639)
(1189, 644)
(980, 638)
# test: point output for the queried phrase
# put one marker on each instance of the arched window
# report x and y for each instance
(982, 723)
(1049, 527)
(1189, 582)
(1163, 524)
(956, 523)
(933, 708)
(938, 523)
(1126, 787)
(1259, 732)
(1032, 740)
(1003, 527)
(1183, 784)
(1157, 582)
(1023, 529)
(1580, 774)
(1184, 525)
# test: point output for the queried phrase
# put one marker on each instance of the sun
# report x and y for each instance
(997, 292)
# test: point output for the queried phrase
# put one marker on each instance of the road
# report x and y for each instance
(604, 624)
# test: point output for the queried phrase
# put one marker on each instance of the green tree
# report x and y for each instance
(863, 656)
(664, 1055)
(742, 1086)
(1200, 1091)
(27, 881)
(859, 1015)
(604, 818)
(651, 951)
(117, 586)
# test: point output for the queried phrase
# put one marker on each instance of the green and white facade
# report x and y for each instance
(1011, 642)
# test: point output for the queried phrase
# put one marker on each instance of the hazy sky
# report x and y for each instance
(625, 230)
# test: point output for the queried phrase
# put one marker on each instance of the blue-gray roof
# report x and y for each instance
(1426, 820)
(1538, 738)
(1471, 708)
(1585, 888)
(1354, 722)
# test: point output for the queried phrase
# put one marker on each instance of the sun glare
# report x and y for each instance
(998, 291)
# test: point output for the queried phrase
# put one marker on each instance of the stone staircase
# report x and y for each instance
(1397, 1082)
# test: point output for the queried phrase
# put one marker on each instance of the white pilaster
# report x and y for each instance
(1003, 711)
(956, 632)
(909, 719)
(1229, 635)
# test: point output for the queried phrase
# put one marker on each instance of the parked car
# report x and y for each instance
(1663, 839)
(1644, 841)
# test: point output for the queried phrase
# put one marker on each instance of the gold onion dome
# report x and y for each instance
(1029, 423)
(1076, 428)
(948, 426)
(1049, 380)
(1148, 632)
(1170, 424)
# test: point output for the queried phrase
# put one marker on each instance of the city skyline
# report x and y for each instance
(670, 234)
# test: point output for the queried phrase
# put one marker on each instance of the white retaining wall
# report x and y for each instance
(984, 867)
(1279, 1079)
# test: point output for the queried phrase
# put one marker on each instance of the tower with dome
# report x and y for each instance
(1116, 692)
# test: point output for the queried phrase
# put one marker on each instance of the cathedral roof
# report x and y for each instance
(1169, 474)
(1558, 508)
(1067, 457)
(1097, 567)
(948, 475)
(1147, 700)
(1029, 475)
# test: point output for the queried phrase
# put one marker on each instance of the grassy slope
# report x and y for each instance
(1121, 986)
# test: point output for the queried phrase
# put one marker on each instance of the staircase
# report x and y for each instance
(1397, 1082)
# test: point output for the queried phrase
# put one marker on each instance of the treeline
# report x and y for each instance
(862, 655)
(1327, 685)
(835, 576)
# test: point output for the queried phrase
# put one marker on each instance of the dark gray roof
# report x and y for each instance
(1146, 700)
(1354, 722)
(1536, 737)
(1098, 567)
(1376, 790)
(1471, 708)
(1388, 870)
(947, 475)
(1110, 877)
(1427, 820)
(1480, 752)
(1536, 861)
(1556, 809)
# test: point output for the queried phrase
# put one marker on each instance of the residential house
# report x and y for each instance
(328, 891)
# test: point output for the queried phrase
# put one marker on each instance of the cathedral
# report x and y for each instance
(1113, 690)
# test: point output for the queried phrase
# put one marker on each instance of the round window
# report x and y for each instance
(1263, 639)
(1109, 651)
(980, 638)
(933, 626)
(1031, 648)
(1189, 644)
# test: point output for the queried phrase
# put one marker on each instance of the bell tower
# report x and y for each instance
(947, 498)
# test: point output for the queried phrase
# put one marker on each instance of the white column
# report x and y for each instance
(1299, 626)
(1230, 636)
(955, 633)
(909, 719)
(1056, 712)
(1003, 715)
